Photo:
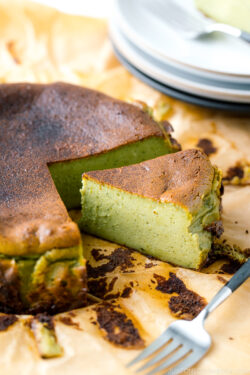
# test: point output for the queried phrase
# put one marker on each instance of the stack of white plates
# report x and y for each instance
(212, 71)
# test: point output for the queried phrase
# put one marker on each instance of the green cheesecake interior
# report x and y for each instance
(67, 175)
(164, 230)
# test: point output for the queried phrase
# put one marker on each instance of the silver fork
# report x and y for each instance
(187, 24)
(187, 341)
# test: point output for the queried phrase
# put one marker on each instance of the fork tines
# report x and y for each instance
(166, 346)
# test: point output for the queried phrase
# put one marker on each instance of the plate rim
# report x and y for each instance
(229, 107)
(140, 41)
(201, 89)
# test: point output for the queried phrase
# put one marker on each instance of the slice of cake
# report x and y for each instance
(50, 135)
(167, 207)
(232, 12)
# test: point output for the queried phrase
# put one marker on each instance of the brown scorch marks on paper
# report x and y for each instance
(207, 146)
(103, 288)
(126, 292)
(98, 283)
(221, 279)
(232, 172)
(117, 327)
(97, 254)
(149, 265)
(187, 304)
(120, 257)
(67, 320)
(13, 51)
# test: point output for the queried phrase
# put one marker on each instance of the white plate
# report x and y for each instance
(171, 76)
(219, 56)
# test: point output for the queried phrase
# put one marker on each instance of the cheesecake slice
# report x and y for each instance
(231, 12)
(165, 207)
(50, 135)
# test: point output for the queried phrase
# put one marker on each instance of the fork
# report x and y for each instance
(187, 24)
(187, 341)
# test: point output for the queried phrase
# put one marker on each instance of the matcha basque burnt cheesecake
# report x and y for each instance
(167, 207)
(50, 135)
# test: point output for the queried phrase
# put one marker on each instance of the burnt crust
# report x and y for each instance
(168, 129)
(182, 178)
(64, 296)
(68, 294)
(216, 228)
(42, 124)
(46, 320)
(10, 298)
(6, 321)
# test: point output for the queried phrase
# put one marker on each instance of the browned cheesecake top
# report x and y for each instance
(42, 124)
(182, 178)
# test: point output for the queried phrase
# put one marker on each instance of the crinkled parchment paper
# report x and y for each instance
(38, 44)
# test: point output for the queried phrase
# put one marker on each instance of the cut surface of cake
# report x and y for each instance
(49, 135)
(165, 207)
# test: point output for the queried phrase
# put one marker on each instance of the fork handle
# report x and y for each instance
(239, 277)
